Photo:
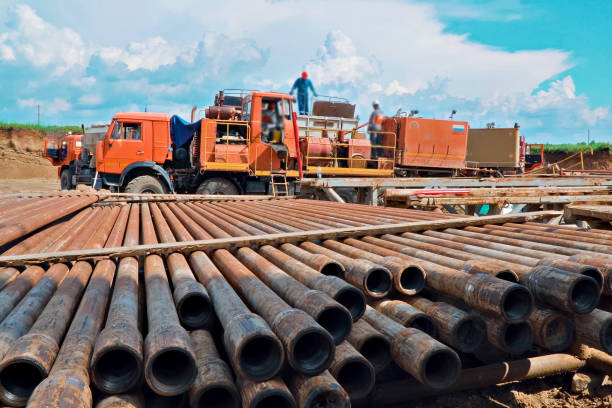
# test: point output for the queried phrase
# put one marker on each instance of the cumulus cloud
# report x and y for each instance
(6, 52)
(50, 107)
(338, 62)
(45, 45)
(591, 117)
(149, 55)
(90, 100)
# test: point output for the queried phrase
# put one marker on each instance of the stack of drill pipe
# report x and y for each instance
(68, 380)
(190, 297)
(169, 359)
(327, 312)
(31, 357)
(486, 293)
(21, 221)
(426, 359)
(573, 292)
(117, 358)
(309, 347)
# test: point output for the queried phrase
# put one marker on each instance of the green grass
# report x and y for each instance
(40, 128)
(575, 147)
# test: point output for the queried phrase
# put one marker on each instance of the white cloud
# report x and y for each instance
(591, 117)
(90, 100)
(395, 88)
(83, 82)
(6, 52)
(338, 62)
(50, 107)
(43, 44)
(149, 55)
(219, 52)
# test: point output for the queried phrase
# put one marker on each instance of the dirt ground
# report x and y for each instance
(551, 392)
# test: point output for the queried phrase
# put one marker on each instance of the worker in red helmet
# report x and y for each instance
(302, 84)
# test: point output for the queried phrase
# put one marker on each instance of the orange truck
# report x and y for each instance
(63, 152)
(252, 142)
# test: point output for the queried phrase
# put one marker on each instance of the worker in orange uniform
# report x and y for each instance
(375, 127)
(302, 84)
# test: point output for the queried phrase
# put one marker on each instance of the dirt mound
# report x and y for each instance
(599, 160)
(21, 155)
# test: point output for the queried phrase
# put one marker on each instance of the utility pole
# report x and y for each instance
(589, 136)
(38, 114)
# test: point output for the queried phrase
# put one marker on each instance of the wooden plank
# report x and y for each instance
(271, 239)
(602, 212)
(145, 198)
(459, 200)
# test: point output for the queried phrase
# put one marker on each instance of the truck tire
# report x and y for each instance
(66, 180)
(217, 186)
(145, 185)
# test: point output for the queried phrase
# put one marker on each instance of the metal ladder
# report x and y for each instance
(279, 188)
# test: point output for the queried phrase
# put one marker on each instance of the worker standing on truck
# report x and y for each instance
(302, 84)
(374, 128)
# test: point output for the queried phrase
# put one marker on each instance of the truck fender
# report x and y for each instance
(153, 166)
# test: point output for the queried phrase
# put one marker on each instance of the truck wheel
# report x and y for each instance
(145, 185)
(217, 186)
(66, 180)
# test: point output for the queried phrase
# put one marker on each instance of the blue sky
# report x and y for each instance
(542, 64)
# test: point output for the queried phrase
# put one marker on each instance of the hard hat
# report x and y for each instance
(376, 103)
(304, 74)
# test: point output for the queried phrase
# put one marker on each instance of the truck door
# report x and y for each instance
(127, 142)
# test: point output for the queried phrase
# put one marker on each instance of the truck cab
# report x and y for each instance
(62, 152)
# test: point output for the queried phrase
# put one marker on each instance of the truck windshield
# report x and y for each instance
(116, 130)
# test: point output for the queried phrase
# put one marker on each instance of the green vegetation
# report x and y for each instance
(40, 128)
(576, 147)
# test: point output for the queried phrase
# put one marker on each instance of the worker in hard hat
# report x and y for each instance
(375, 127)
(269, 121)
(302, 84)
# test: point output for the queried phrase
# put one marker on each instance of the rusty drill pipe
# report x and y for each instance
(254, 350)
(408, 278)
(14, 291)
(169, 357)
(319, 262)
(131, 400)
(393, 393)
(117, 360)
(320, 391)
(170, 367)
(331, 315)
(31, 357)
(371, 344)
(604, 266)
(214, 386)
(574, 267)
(464, 331)
(26, 223)
(152, 399)
(23, 316)
(563, 290)
(353, 371)
(68, 380)
(513, 338)
(595, 330)
(551, 330)
(513, 302)
(375, 280)
(7, 275)
(309, 347)
(267, 394)
(406, 315)
(191, 299)
(342, 292)
(429, 361)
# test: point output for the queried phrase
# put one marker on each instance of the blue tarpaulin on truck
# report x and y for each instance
(181, 131)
